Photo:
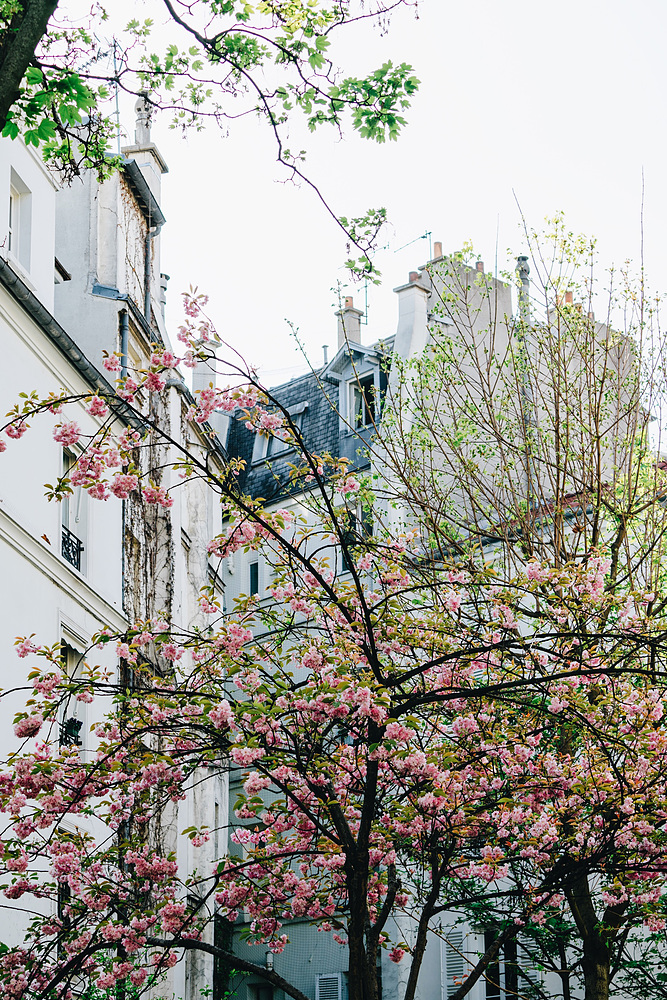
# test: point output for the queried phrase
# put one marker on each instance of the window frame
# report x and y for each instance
(19, 222)
(358, 397)
(267, 447)
(73, 507)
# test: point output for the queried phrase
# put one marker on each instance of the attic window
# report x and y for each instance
(362, 402)
(271, 446)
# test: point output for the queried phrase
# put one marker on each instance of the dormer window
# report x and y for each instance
(277, 445)
(362, 402)
(270, 446)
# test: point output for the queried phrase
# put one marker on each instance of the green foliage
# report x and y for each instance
(228, 58)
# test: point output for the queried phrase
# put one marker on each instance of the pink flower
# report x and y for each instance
(453, 602)
(157, 494)
(128, 389)
(123, 485)
(396, 954)
(3, 446)
(155, 382)
(30, 726)
(99, 491)
(166, 359)
(97, 407)
(221, 716)
(25, 647)
(535, 572)
(112, 363)
(16, 430)
(349, 486)
(67, 433)
(172, 652)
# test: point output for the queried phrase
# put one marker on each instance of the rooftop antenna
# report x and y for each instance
(365, 319)
(115, 75)
(425, 236)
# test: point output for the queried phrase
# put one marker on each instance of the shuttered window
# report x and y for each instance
(328, 987)
(455, 964)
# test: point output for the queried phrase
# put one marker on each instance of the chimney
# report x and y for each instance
(349, 323)
(523, 271)
(203, 374)
(569, 298)
(412, 331)
(142, 125)
(437, 250)
(325, 351)
(480, 266)
(164, 278)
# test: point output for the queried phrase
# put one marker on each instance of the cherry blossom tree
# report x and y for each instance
(470, 720)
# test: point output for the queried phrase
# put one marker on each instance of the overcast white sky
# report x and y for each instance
(559, 105)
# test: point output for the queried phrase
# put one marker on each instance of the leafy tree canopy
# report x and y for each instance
(226, 59)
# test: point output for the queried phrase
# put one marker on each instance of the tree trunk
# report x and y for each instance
(362, 975)
(17, 50)
(595, 965)
(597, 936)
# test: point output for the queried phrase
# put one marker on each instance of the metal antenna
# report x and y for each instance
(115, 74)
(425, 236)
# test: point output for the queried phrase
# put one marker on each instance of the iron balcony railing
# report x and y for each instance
(72, 547)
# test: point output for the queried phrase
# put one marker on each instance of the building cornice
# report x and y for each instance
(67, 346)
(145, 197)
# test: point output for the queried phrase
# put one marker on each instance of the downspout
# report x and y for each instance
(124, 346)
(124, 338)
(150, 235)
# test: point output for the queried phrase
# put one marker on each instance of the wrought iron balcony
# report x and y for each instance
(69, 732)
(72, 547)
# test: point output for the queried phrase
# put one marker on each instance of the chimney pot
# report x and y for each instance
(437, 250)
(349, 323)
(480, 266)
(142, 126)
(569, 298)
(414, 275)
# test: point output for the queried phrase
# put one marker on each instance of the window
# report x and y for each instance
(454, 962)
(19, 220)
(358, 528)
(329, 987)
(254, 578)
(511, 974)
(72, 714)
(73, 519)
(362, 402)
(263, 992)
(271, 446)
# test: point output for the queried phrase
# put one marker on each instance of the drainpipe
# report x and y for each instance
(150, 235)
(124, 338)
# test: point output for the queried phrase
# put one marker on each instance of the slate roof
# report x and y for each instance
(320, 429)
